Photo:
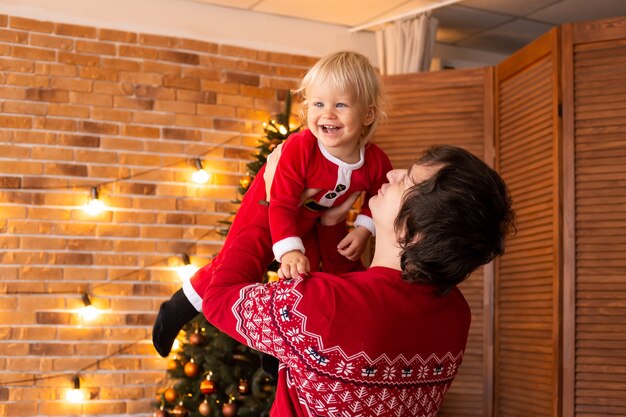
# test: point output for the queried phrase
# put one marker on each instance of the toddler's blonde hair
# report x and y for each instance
(348, 72)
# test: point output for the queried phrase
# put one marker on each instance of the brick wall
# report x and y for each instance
(83, 106)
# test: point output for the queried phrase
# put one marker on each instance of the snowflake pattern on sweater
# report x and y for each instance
(330, 382)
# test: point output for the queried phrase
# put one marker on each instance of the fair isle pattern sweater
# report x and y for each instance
(360, 344)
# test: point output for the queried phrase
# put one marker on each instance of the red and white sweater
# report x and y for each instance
(360, 344)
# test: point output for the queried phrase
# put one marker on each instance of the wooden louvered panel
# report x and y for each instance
(526, 360)
(594, 95)
(447, 107)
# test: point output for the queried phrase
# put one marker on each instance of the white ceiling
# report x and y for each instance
(501, 26)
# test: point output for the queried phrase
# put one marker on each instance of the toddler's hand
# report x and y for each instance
(353, 245)
(292, 264)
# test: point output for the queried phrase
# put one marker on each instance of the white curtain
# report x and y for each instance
(407, 45)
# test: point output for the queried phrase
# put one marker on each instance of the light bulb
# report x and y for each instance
(94, 206)
(186, 270)
(176, 345)
(88, 312)
(200, 176)
(75, 395)
(282, 129)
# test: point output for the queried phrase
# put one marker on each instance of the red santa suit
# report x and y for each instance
(360, 344)
(304, 164)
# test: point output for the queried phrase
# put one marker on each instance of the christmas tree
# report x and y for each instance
(213, 374)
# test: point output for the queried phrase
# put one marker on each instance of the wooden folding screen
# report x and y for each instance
(594, 97)
(456, 108)
(527, 294)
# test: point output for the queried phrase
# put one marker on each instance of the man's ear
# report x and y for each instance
(370, 115)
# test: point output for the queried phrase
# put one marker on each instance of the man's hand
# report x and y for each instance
(292, 264)
(353, 245)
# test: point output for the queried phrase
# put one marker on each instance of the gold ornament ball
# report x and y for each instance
(196, 339)
(179, 411)
(204, 408)
(172, 365)
(170, 395)
(192, 369)
(229, 410)
(207, 386)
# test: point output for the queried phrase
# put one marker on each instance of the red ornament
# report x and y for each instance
(207, 386)
(192, 369)
(196, 339)
(229, 410)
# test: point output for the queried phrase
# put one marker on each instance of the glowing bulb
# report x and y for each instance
(282, 129)
(88, 312)
(75, 395)
(176, 345)
(186, 270)
(200, 176)
(95, 206)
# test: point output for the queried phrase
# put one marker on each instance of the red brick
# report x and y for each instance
(24, 107)
(78, 59)
(55, 42)
(121, 64)
(267, 93)
(202, 73)
(16, 122)
(207, 97)
(31, 25)
(79, 140)
(47, 94)
(256, 67)
(97, 73)
(220, 87)
(241, 78)
(185, 134)
(133, 103)
(104, 113)
(175, 106)
(51, 123)
(10, 182)
(180, 57)
(4, 20)
(117, 36)
(290, 72)
(26, 80)
(10, 64)
(234, 100)
(36, 54)
(238, 52)
(157, 40)
(230, 125)
(61, 70)
(216, 111)
(153, 118)
(76, 31)
(161, 68)
(105, 100)
(147, 91)
(67, 110)
(100, 48)
(193, 120)
(141, 131)
(113, 88)
(93, 127)
(196, 45)
(13, 36)
(138, 52)
(71, 84)
(179, 82)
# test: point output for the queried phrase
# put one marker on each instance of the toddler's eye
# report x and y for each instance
(342, 105)
(318, 104)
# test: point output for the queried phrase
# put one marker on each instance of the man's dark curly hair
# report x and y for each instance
(453, 222)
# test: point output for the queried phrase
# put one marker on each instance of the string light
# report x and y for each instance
(200, 176)
(75, 395)
(94, 206)
(186, 270)
(88, 312)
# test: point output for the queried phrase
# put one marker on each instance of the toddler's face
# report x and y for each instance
(337, 119)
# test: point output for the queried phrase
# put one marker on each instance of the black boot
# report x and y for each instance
(173, 315)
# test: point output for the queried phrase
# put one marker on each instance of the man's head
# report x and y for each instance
(453, 221)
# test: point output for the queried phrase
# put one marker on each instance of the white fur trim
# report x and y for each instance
(367, 222)
(338, 161)
(192, 295)
(287, 244)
